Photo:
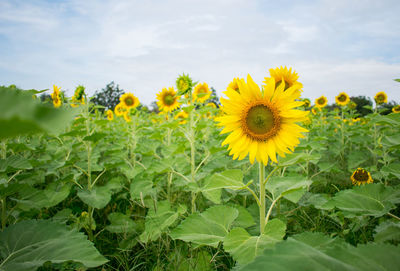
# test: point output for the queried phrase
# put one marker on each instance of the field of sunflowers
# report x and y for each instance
(262, 180)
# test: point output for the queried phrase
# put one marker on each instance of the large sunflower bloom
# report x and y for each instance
(167, 100)
(110, 114)
(201, 93)
(381, 97)
(321, 102)
(342, 99)
(361, 176)
(396, 109)
(129, 100)
(286, 76)
(261, 123)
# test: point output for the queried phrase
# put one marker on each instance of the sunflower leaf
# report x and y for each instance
(229, 179)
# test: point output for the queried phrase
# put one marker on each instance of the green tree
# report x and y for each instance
(362, 101)
(108, 96)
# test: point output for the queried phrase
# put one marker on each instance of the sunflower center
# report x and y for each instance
(183, 85)
(129, 101)
(321, 101)
(342, 98)
(381, 98)
(260, 121)
(169, 99)
(361, 175)
(284, 82)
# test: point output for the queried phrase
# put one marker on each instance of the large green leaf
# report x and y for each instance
(314, 251)
(21, 114)
(371, 199)
(98, 197)
(120, 223)
(244, 248)
(14, 163)
(28, 244)
(207, 228)
(291, 188)
(229, 179)
(387, 231)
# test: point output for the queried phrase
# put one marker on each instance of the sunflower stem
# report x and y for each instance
(261, 170)
(89, 171)
(192, 154)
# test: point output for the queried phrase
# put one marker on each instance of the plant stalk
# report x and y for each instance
(261, 170)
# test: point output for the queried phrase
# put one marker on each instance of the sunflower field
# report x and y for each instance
(261, 180)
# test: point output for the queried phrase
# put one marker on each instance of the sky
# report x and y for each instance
(143, 46)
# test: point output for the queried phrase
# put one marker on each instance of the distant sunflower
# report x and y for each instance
(381, 97)
(55, 96)
(286, 76)
(261, 123)
(234, 84)
(352, 105)
(129, 100)
(56, 91)
(110, 114)
(321, 102)
(184, 84)
(361, 176)
(182, 116)
(127, 116)
(314, 111)
(212, 105)
(120, 109)
(342, 99)
(307, 102)
(79, 96)
(168, 100)
(396, 109)
(201, 93)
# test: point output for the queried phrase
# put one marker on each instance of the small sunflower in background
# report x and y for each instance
(120, 109)
(285, 76)
(55, 96)
(396, 109)
(321, 102)
(201, 93)
(182, 116)
(168, 100)
(129, 101)
(109, 114)
(234, 84)
(314, 111)
(212, 105)
(381, 97)
(79, 96)
(352, 105)
(361, 176)
(342, 99)
(261, 124)
(127, 116)
(307, 102)
(184, 84)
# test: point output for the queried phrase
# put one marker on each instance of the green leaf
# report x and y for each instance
(98, 197)
(25, 246)
(244, 248)
(370, 199)
(21, 114)
(397, 80)
(287, 187)
(392, 169)
(244, 219)
(140, 188)
(120, 223)
(95, 137)
(387, 231)
(207, 228)
(229, 179)
(157, 221)
(314, 251)
(14, 163)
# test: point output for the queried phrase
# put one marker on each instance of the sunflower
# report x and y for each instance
(56, 91)
(167, 100)
(184, 84)
(396, 109)
(234, 84)
(321, 102)
(314, 111)
(79, 96)
(361, 176)
(381, 97)
(286, 76)
(110, 114)
(342, 99)
(307, 102)
(55, 96)
(182, 116)
(129, 100)
(261, 123)
(127, 116)
(120, 109)
(212, 105)
(201, 93)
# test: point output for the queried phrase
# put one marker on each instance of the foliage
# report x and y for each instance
(108, 96)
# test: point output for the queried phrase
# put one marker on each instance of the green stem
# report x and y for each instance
(192, 155)
(261, 169)
(270, 209)
(3, 213)
(89, 171)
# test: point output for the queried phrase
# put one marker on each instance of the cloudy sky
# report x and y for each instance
(341, 45)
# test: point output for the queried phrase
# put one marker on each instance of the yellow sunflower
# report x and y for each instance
(56, 91)
(234, 85)
(184, 84)
(342, 99)
(57, 101)
(381, 97)
(127, 116)
(352, 105)
(396, 109)
(129, 100)
(120, 109)
(168, 100)
(307, 102)
(79, 96)
(314, 111)
(261, 123)
(286, 76)
(110, 114)
(182, 116)
(201, 93)
(321, 102)
(361, 176)
(212, 105)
